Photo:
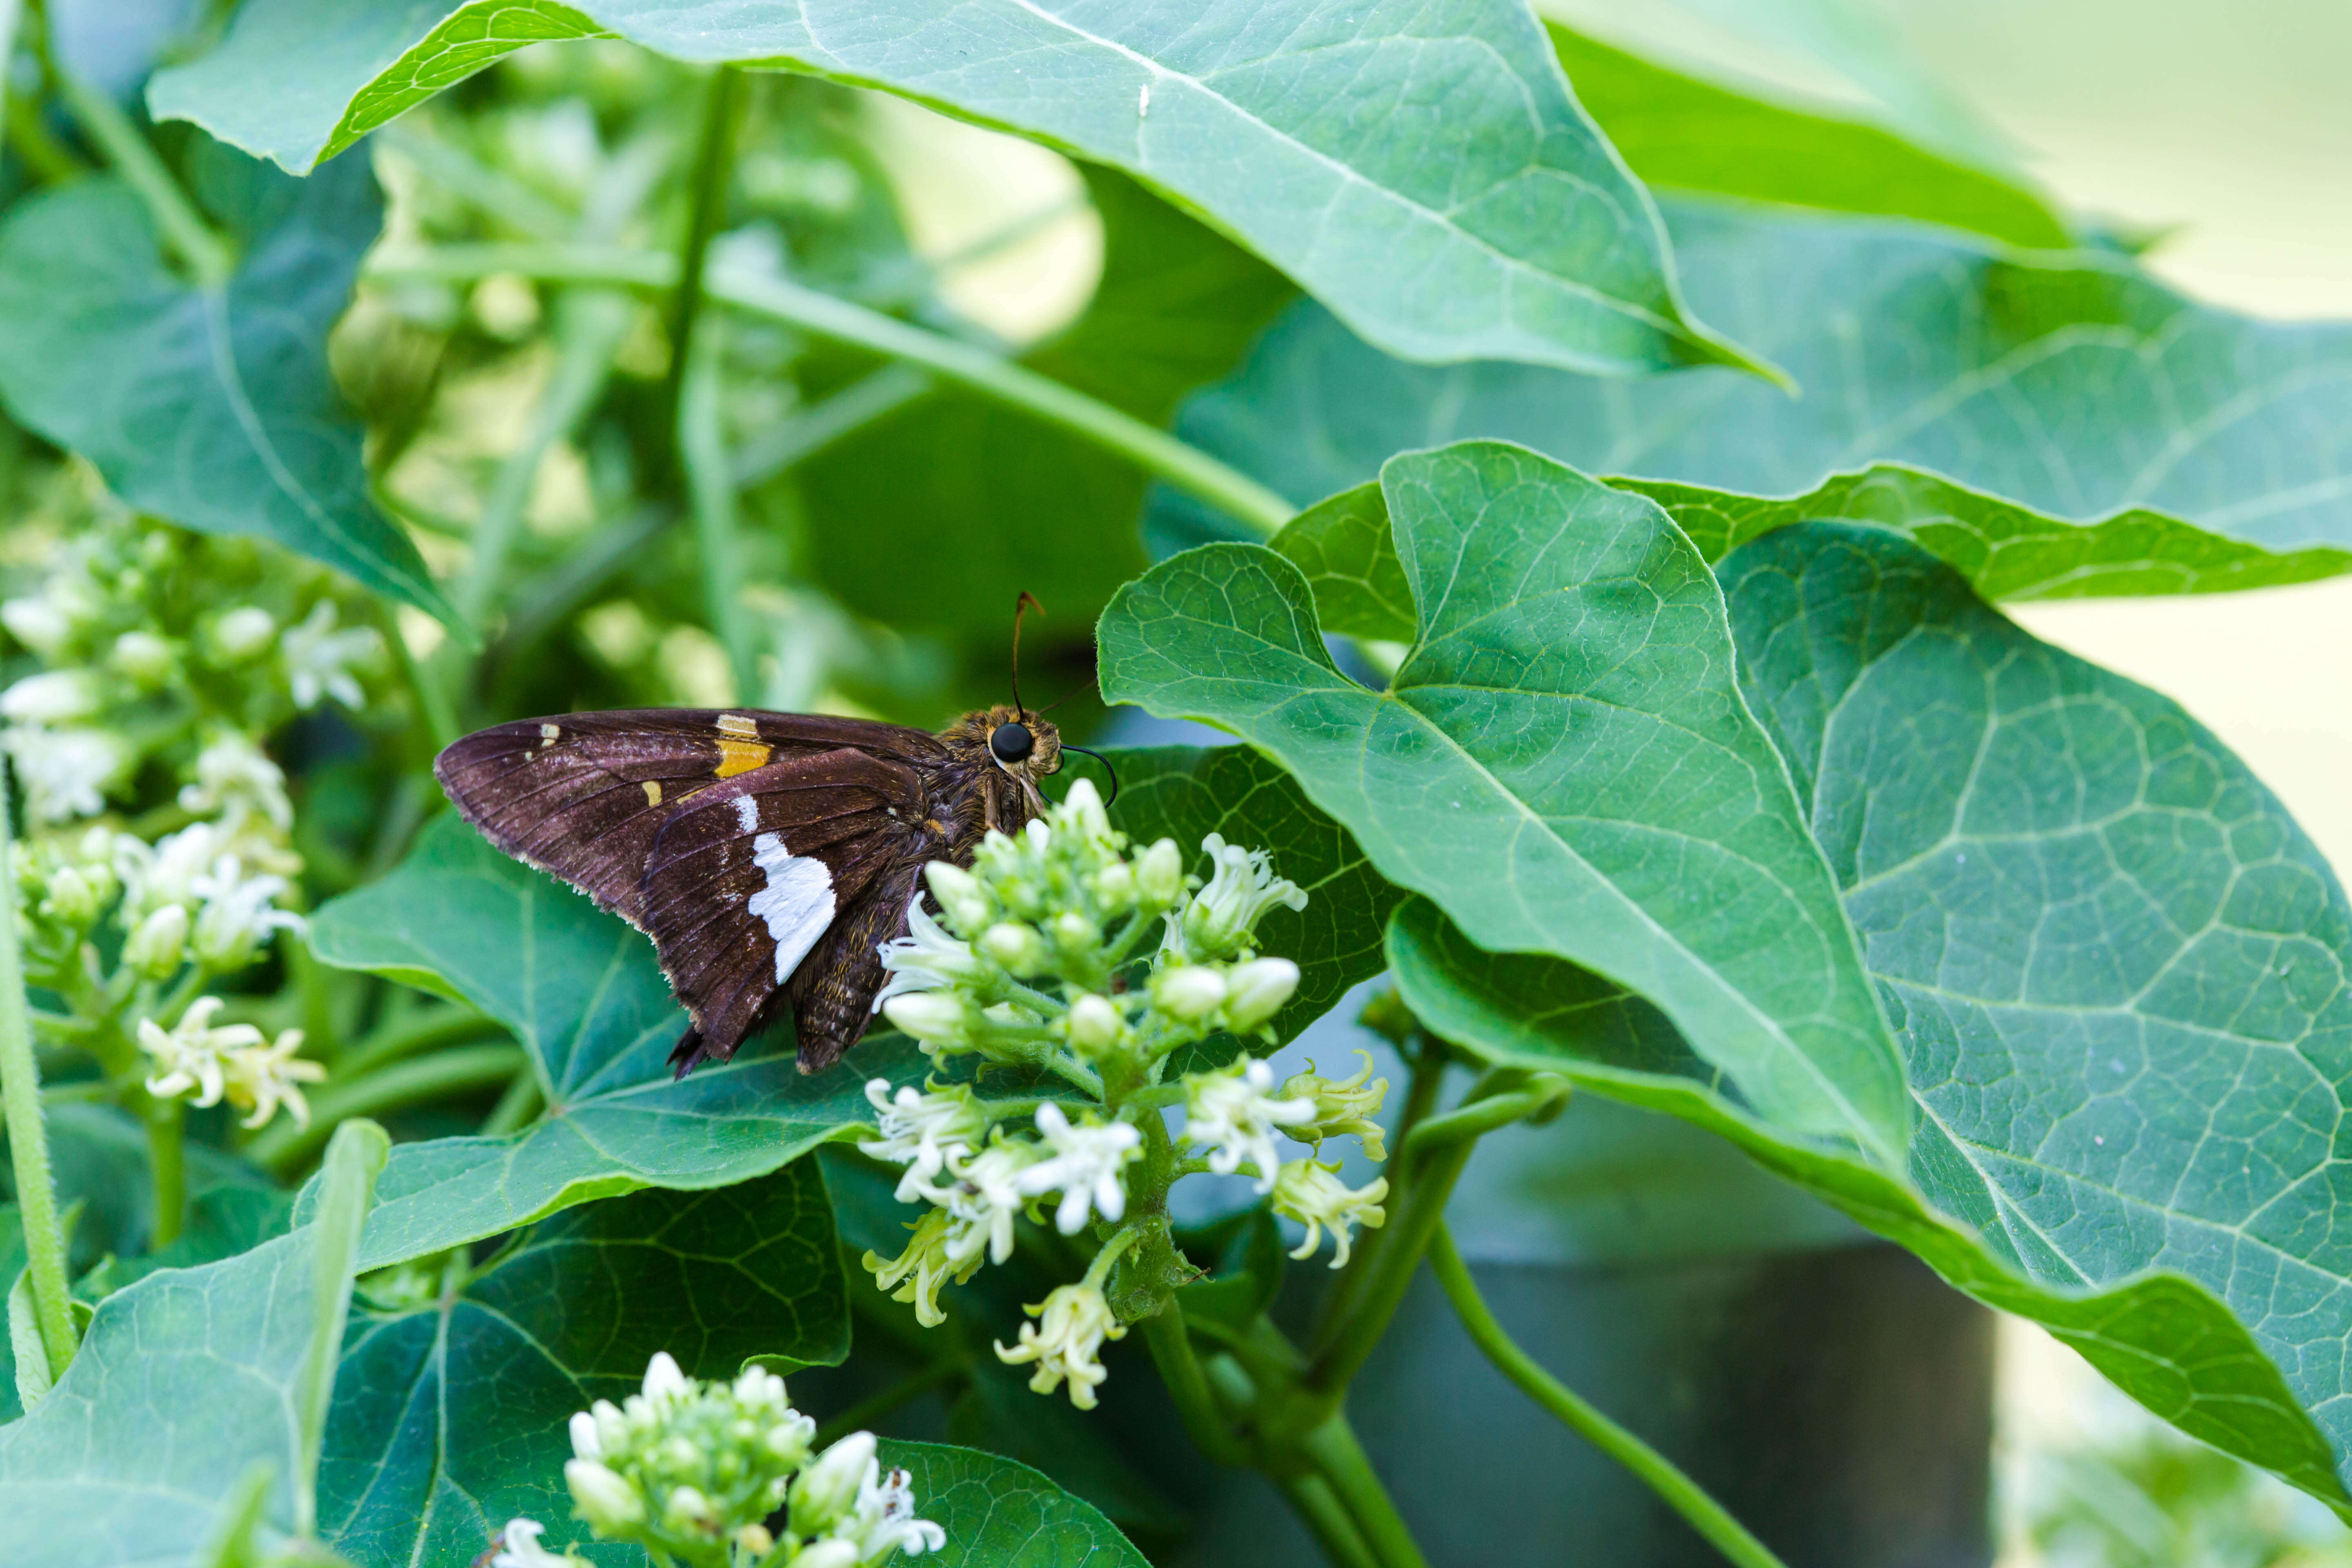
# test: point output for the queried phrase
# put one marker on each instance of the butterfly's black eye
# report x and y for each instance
(1011, 742)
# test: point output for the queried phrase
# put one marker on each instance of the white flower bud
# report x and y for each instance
(687, 1505)
(242, 633)
(155, 948)
(1095, 1024)
(959, 895)
(39, 623)
(609, 1504)
(929, 1016)
(831, 1552)
(1189, 991)
(1115, 884)
(145, 658)
(827, 1488)
(1017, 946)
(663, 1379)
(52, 697)
(1160, 874)
(586, 1443)
(1258, 990)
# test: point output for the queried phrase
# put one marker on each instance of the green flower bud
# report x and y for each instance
(243, 633)
(1160, 874)
(828, 1553)
(143, 657)
(607, 1503)
(827, 1488)
(155, 948)
(960, 897)
(1190, 992)
(71, 900)
(1015, 946)
(1095, 1024)
(1073, 933)
(931, 1017)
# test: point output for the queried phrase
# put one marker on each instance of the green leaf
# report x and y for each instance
(2118, 970)
(209, 406)
(449, 1416)
(1000, 1514)
(1342, 546)
(940, 513)
(2100, 434)
(185, 1382)
(1677, 132)
(1423, 170)
(582, 992)
(1187, 793)
(1563, 763)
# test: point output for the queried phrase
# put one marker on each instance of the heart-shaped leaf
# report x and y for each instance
(582, 992)
(193, 1389)
(2099, 433)
(450, 1414)
(206, 404)
(1564, 763)
(2117, 969)
(1000, 1514)
(1423, 170)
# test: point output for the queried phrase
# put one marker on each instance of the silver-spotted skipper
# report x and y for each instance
(768, 855)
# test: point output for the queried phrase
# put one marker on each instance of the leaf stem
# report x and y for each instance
(1684, 1496)
(282, 1148)
(991, 375)
(710, 487)
(1171, 1346)
(714, 158)
(28, 1138)
(183, 230)
(1334, 1530)
(167, 1167)
(516, 1105)
(1341, 1461)
(346, 1191)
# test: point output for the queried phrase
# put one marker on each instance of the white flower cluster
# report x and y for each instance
(695, 1471)
(1043, 955)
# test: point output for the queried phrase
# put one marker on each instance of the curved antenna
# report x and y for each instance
(1106, 765)
(1021, 605)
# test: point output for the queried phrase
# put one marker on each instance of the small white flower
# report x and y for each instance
(266, 1077)
(1084, 1167)
(319, 658)
(66, 772)
(1312, 1194)
(916, 1274)
(239, 914)
(1065, 1344)
(1232, 1113)
(923, 1130)
(234, 779)
(52, 697)
(983, 1201)
(1342, 1105)
(192, 1055)
(928, 958)
(883, 1521)
(825, 1491)
(1222, 916)
(519, 1548)
(166, 871)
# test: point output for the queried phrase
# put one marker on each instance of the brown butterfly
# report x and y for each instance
(768, 855)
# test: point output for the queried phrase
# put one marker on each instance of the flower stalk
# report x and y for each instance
(28, 1141)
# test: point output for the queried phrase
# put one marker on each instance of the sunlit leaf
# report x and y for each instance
(1000, 1514)
(1423, 170)
(1563, 763)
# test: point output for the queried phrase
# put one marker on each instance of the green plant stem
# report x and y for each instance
(1428, 1165)
(794, 440)
(167, 1167)
(516, 1105)
(1171, 1346)
(431, 702)
(1339, 1461)
(282, 1147)
(991, 375)
(1329, 1523)
(28, 1136)
(711, 485)
(590, 325)
(714, 160)
(183, 230)
(862, 1416)
(1702, 1514)
(427, 1029)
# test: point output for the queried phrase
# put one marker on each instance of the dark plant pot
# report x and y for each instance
(1838, 1402)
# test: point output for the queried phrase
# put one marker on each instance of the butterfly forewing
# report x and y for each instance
(749, 846)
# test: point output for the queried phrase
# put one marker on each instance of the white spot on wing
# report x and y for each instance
(747, 812)
(797, 903)
(739, 724)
